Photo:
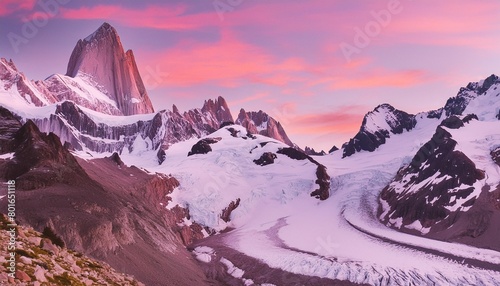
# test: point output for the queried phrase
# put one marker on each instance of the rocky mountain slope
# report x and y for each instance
(102, 208)
(449, 191)
(41, 262)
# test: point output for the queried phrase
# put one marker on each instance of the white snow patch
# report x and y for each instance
(7, 156)
(204, 253)
(231, 269)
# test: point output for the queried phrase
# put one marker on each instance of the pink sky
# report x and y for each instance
(287, 58)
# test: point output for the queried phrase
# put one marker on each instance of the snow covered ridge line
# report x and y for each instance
(102, 79)
(379, 125)
(86, 129)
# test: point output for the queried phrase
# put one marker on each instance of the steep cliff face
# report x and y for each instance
(219, 109)
(101, 57)
(263, 124)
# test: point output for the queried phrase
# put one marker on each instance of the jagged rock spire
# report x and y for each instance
(101, 57)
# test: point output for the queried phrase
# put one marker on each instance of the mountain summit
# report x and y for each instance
(101, 57)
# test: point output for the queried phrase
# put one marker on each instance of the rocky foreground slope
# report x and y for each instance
(40, 261)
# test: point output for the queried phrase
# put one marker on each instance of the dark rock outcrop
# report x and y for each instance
(495, 155)
(203, 146)
(456, 105)
(161, 155)
(233, 132)
(487, 83)
(469, 117)
(266, 159)
(333, 149)
(322, 177)
(452, 122)
(294, 154)
(40, 160)
(323, 180)
(435, 114)
(226, 212)
(116, 158)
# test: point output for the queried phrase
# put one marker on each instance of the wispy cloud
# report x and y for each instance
(166, 17)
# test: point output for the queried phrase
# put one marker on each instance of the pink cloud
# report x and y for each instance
(8, 7)
(157, 17)
(343, 120)
(228, 62)
(380, 78)
(257, 96)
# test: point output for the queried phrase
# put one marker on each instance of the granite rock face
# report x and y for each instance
(263, 124)
(101, 57)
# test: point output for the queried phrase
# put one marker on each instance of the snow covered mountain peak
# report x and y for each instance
(377, 126)
(456, 105)
(19, 90)
(101, 58)
(104, 31)
(483, 85)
